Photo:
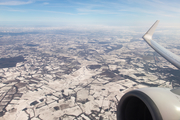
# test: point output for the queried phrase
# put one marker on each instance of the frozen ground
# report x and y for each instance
(79, 76)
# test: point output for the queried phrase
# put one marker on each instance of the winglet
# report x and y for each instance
(150, 32)
(152, 29)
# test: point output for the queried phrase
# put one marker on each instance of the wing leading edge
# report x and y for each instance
(169, 56)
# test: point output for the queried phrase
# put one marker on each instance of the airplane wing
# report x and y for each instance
(169, 56)
(152, 103)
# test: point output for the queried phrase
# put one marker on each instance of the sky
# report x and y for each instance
(89, 12)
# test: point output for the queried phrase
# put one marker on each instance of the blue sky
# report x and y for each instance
(88, 12)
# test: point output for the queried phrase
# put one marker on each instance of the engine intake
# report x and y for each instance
(136, 105)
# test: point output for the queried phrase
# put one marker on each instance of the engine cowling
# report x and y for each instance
(150, 104)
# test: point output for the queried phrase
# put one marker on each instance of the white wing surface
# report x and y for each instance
(169, 56)
(145, 103)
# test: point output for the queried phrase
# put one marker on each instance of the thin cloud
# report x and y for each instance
(163, 5)
(15, 2)
(150, 7)
(17, 10)
(5, 8)
(89, 10)
(45, 3)
(53, 12)
(92, 11)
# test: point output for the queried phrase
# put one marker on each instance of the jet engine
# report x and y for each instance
(150, 104)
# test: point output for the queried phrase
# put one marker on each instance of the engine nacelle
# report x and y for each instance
(150, 104)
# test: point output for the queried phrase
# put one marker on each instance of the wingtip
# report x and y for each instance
(150, 32)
